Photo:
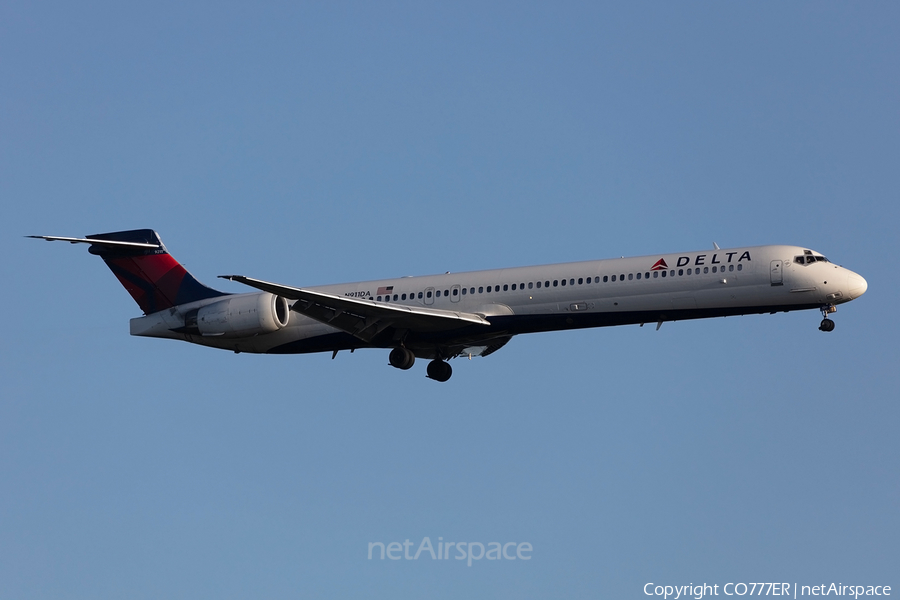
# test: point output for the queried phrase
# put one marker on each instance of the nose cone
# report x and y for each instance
(856, 286)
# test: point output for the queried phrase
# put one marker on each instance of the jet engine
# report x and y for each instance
(245, 315)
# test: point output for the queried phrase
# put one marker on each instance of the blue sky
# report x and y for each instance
(319, 143)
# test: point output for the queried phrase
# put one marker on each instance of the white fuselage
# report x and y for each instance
(595, 293)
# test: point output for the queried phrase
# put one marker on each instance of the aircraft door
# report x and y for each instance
(775, 273)
(454, 293)
(429, 295)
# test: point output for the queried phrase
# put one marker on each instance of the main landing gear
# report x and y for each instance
(439, 370)
(404, 359)
(827, 324)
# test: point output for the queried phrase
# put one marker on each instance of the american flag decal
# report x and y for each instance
(385, 290)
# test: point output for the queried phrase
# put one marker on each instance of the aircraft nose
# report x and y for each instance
(856, 286)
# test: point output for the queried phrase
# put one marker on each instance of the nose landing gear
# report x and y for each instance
(827, 324)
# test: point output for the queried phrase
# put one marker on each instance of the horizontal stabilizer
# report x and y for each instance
(110, 243)
(144, 267)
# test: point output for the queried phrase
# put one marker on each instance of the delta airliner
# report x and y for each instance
(439, 317)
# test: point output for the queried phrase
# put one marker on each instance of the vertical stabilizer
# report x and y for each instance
(154, 279)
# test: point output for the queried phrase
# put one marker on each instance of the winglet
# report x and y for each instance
(716, 246)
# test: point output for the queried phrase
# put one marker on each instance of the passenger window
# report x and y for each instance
(471, 290)
(546, 284)
(438, 294)
(539, 284)
(480, 289)
(655, 274)
(555, 282)
(706, 269)
(379, 299)
(714, 269)
(689, 272)
(455, 292)
(740, 267)
(647, 275)
(429, 295)
(403, 297)
(563, 282)
(505, 287)
(465, 291)
(613, 278)
(680, 272)
(513, 287)
(597, 279)
(638, 275)
(580, 281)
(488, 289)
(663, 273)
(571, 282)
(622, 277)
(530, 285)
(605, 278)
(630, 276)
(396, 297)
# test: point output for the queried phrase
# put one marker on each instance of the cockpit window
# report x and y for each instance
(809, 259)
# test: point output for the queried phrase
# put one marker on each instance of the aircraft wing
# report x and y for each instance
(361, 317)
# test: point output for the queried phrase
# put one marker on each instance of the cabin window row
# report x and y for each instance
(671, 273)
(495, 288)
(556, 283)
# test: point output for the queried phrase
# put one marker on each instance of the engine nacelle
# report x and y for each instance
(239, 316)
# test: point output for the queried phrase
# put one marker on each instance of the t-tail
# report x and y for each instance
(141, 263)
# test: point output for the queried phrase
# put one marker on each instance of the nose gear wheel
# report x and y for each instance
(827, 324)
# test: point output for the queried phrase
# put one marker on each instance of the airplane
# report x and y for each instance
(440, 317)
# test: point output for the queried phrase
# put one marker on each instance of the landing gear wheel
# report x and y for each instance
(402, 358)
(826, 325)
(439, 370)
